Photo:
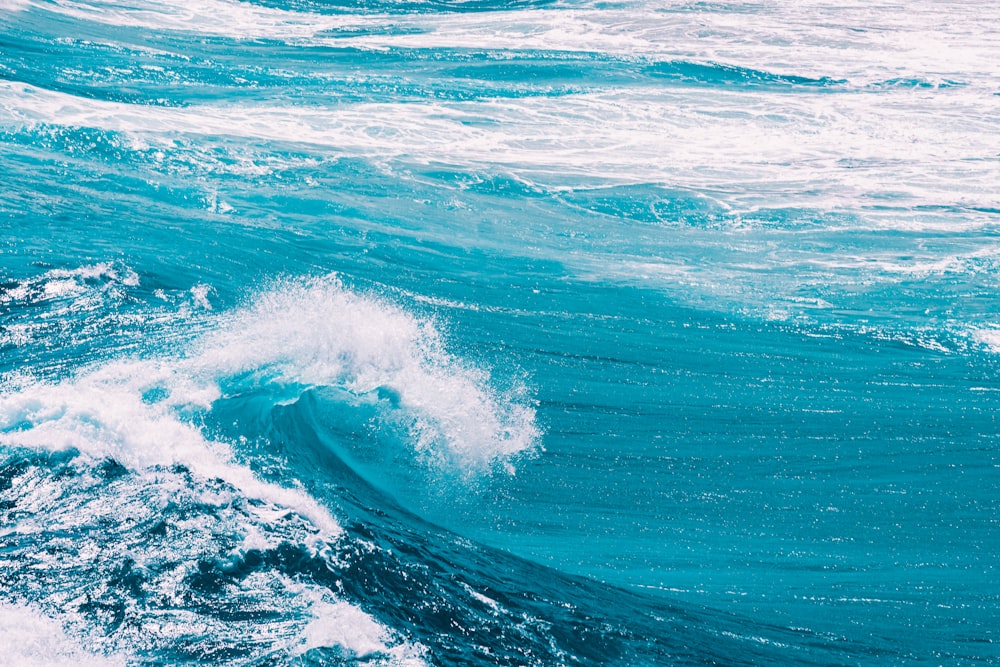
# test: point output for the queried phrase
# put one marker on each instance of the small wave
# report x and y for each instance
(723, 74)
(320, 334)
(146, 412)
(58, 284)
(340, 624)
(917, 83)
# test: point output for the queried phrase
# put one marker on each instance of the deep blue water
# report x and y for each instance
(521, 333)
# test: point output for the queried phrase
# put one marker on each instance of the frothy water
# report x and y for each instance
(320, 334)
(34, 640)
(524, 332)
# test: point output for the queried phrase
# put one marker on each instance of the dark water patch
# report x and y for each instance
(986, 209)
(189, 593)
(456, 597)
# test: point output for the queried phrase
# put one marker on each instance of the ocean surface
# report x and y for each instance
(499, 332)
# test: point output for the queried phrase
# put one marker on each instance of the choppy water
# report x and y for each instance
(527, 332)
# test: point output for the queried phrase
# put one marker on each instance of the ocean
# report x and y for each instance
(499, 332)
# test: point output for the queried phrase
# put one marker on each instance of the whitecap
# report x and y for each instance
(31, 639)
(319, 333)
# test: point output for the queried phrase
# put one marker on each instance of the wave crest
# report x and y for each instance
(320, 334)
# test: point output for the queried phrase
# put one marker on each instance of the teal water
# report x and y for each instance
(538, 333)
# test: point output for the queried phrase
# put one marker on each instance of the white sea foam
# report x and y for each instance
(104, 411)
(819, 151)
(141, 413)
(138, 411)
(60, 283)
(11, 6)
(911, 266)
(860, 41)
(338, 624)
(30, 639)
(103, 414)
(886, 147)
(889, 136)
(202, 520)
(63, 293)
(216, 17)
(987, 336)
(319, 333)
(937, 40)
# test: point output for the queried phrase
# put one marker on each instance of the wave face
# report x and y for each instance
(540, 332)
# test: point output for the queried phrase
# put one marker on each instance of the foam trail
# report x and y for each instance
(944, 41)
(823, 152)
(940, 38)
(67, 296)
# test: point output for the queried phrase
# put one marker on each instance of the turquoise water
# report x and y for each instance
(542, 333)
